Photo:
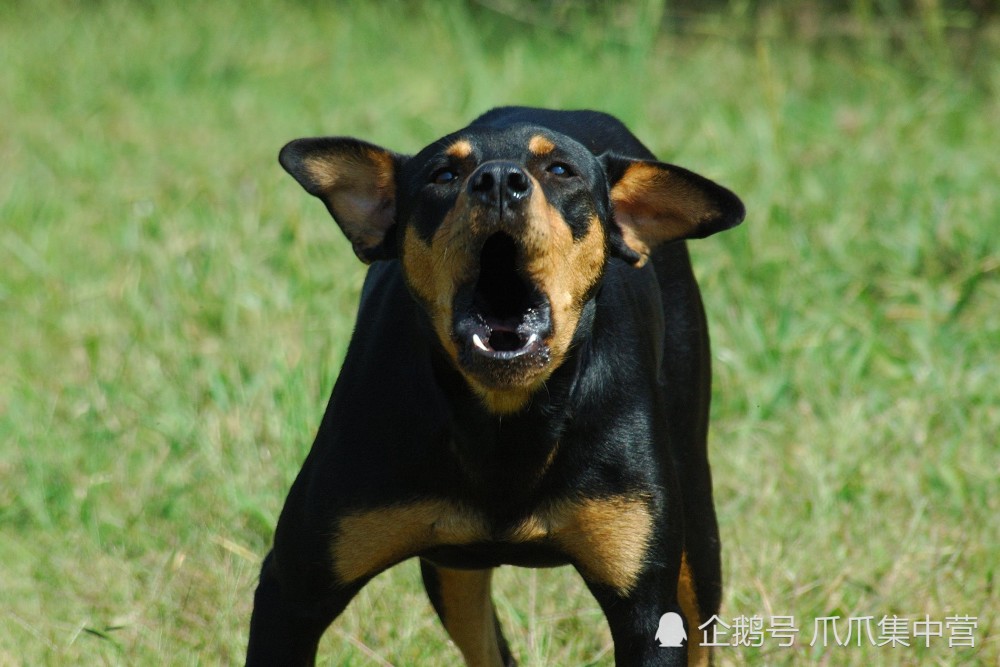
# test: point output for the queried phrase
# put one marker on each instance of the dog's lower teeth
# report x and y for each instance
(478, 342)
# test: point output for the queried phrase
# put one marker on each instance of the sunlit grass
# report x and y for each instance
(175, 310)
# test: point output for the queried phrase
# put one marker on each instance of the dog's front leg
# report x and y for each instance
(288, 621)
(630, 554)
(637, 618)
(462, 600)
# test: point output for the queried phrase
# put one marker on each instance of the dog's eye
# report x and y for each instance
(443, 176)
(559, 169)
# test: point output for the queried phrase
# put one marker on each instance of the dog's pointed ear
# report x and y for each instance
(357, 182)
(655, 202)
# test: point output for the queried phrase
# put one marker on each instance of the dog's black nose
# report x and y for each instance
(500, 183)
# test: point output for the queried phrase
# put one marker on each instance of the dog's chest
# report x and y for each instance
(605, 537)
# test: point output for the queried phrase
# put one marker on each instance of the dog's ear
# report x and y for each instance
(655, 202)
(357, 182)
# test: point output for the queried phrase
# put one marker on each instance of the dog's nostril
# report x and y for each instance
(495, 182)
(484, 183)
(518, 183)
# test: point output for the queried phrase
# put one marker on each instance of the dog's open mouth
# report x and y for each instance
(502, 316)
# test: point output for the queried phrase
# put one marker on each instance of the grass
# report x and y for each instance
(175, 311)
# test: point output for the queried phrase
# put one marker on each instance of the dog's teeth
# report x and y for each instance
(531, 339)
(478, 342)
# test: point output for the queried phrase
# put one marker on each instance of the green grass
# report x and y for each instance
(175, 310)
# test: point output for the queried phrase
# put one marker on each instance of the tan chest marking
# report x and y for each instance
(606, 538)
(368, 542)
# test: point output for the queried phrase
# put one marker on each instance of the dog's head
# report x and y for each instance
(504, 234)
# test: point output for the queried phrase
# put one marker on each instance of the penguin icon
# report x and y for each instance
(671, 632)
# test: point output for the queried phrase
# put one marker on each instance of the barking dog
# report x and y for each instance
(527, 384)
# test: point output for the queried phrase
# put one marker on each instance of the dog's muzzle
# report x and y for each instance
(501, 320)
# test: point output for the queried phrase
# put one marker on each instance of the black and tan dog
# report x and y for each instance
(527, 384)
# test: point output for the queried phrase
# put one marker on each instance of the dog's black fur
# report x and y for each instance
(527, 384)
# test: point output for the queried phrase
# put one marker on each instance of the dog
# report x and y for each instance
(527, 384)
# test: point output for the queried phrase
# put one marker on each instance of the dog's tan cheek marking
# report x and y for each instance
(435, 270)
(540, 145)
(698, 655)
(566, 269)
(468, 615)
(418, 265)
(367, 542)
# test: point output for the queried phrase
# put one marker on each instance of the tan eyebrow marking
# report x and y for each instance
(460, 150)
(540, 145)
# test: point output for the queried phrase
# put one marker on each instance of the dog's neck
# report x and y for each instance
(506, 456)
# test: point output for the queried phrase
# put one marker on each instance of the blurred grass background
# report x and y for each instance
(175, 308)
